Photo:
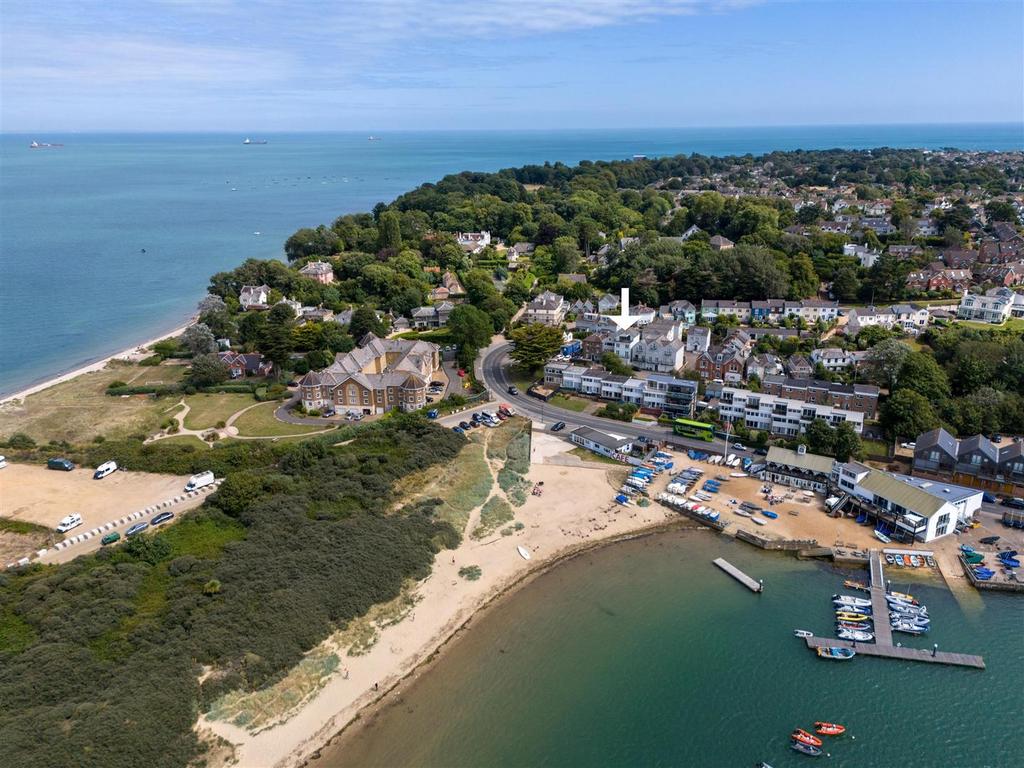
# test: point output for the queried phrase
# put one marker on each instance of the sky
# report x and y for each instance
(279, 65)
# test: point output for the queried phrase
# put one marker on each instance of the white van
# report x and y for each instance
(71, 521)
(104, 469)
(3, 462)
(199, 481)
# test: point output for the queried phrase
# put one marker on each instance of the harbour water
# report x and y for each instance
(110, 239)
(643, 653)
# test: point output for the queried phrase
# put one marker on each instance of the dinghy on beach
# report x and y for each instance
(523, 552)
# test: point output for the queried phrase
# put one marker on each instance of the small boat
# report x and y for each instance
(847, 616)
(915, 561)
(882, 537)
(807, 749)
(523, 552)
(1009, 552)
(989, 540)
(834, 652)
(851, 584)
(759, 521)
(890, 559)
(855, 634)
(851, 600)
(742, 513)
(862, 626)
(930, 560)
(910, 629)
(902, 596)
(805, 738)
(803, 633)
(829, 729)
(769, 514)
(973, 558)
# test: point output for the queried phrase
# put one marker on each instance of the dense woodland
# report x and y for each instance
(100, 658)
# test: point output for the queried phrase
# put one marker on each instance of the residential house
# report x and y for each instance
(657, 392)
(433, 316)
(661, 347)
(254, 297)
(862, 398)
(711, 309)
(593, 346)
(518, 251)
(959, 258)
(926, 228)
(880, 225)
(936, 451)
(320, 271)
(866, 256)
(909, 318)
(473, 242)
(241, 364)
(832, 359)
(547, 309)
(719, 243)
(1005, 275)
(939, 453)
(315, 314)
(798, 367)
(905, 251)
(995, 306)
(698, 339)
(680, 311)
(774, 414)
(834, 227)
(762, 365)
(379, 375)
(607, 303)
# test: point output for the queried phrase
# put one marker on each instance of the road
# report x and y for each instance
(494, 367)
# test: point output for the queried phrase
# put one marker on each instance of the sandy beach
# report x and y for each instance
(575, 513)
(134, 353)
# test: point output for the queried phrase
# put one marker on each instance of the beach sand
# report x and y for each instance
(133, 354)
(575, 512)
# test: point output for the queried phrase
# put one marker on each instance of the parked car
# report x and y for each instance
(761, 451)
(201, 480)
(3, 462)
(65, 465)
(739, 446)
(1013, 502)
(163, 517)
(327, 412)
(432, 413)
(558, 426)
(137, 528)
(110, 538)
(465, 425)
(71, 521)
(461, 372)
(104, 469)
(458, 430)
(909, 446)
(988, 498)
(501, 416)
(437, 385)
(513, 389)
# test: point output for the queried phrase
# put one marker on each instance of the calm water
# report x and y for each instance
(75, 285)
(644, 654)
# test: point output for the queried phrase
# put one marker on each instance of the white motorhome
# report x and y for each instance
(201, 480)
(71, 521)
(104, 469)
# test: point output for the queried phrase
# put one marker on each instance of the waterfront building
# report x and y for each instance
(798, 469)
(602, 443)
(774, 414)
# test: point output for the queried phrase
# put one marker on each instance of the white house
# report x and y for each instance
(833, 359)
(547, 309)
(909, 318)
(254, 297)
(473, 242)
(780, 415)
(866, 256)
(602, 443)
(995, 306)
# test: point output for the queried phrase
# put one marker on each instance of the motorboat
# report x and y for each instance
(890, 559)
(847, 616)
(805, 738)
(829, 729)
(807, 749)
(915, 561)
(803, 633)
(902, 596)
(973, 558)
(855, 634)
(851, 584)
(910, 629)
(759, 521)
(851, 600)
(861, 626)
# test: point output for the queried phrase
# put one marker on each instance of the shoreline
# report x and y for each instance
(89, 366)
(493, 601)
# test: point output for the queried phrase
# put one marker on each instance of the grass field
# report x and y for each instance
(586, 455)
(1013, 324)
(569, 403)
(79, 410)
(260, 421)
(206, 411)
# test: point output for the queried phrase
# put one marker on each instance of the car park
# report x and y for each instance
(465, 425)
(137, 528)
(458, 430)
(558, 426)
(163, 517)
(110, 538)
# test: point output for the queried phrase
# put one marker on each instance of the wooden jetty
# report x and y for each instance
(883, 645)
(752, 584)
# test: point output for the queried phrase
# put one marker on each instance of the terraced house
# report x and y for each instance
(379, 375)
(970, 459)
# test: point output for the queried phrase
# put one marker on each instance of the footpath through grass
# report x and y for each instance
(260, 422)
(208, 410)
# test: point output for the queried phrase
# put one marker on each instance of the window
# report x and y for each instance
(942, 524)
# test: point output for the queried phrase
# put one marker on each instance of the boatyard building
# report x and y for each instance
(797, 469)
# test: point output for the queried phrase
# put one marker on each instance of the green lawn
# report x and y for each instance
(1013, 324)
(186, 440)
(875, 449)
(586, 455)
(569, 403)
(260, 422)
(208, 410)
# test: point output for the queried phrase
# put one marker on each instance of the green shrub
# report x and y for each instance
(20, 441)
(152, 360)
(470, 572)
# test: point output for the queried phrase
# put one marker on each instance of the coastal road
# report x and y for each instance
(494, 370)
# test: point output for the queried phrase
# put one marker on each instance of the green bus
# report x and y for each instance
(695, 429)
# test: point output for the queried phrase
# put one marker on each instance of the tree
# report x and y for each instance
(211, 303)
(277, 344)
(845, 284)
(533, 345)
(884, 361)
(821, 438)
(803, 279)
(252, 328)
(847, 442)
(364, 320)
(616, 364)
(305, 243)
(469, 326)
(389, 231)
(565, 257)
(198, 339)
(907, 414)
(922, 374)
(207, 370)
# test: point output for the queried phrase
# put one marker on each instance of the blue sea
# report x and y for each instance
(109, 240)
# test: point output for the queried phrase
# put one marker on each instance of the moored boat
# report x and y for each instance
(902, 596)
(847, 616)
(836, 653)
(851, 600)
(851, 584)
(805, 738)
(829, 729)
(803, 633)
(853, 625)
(882, 537)
(855, 634)
(807, 749)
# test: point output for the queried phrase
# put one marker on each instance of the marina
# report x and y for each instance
(752, 584)
(883, 643)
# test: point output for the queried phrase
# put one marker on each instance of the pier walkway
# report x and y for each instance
(883, 645)
(752, 584)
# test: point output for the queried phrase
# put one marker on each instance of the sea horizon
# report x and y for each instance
(119, 231)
